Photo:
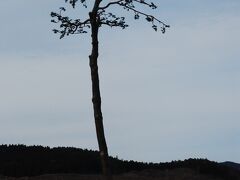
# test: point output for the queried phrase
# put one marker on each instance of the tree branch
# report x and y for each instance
(147, 15)
(69, 26)
(152, 5)
(109, 4)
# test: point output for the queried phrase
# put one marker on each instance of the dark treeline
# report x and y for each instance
(21, 160)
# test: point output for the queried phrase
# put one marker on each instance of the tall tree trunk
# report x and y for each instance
(96, 99)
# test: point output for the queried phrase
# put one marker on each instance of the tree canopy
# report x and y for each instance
(105, 16)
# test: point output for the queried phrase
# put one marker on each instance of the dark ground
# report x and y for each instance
(20, 162)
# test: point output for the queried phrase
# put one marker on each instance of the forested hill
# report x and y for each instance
(232, 164)
(21, 160)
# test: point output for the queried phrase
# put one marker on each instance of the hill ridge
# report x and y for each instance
(21, 160)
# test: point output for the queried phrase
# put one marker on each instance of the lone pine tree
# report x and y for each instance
(101, 14)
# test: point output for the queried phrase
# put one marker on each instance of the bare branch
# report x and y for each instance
(111, 3)
(151, 4)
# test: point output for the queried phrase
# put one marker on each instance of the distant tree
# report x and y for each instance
(102, 14)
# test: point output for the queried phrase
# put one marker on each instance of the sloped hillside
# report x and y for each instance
(32, 161)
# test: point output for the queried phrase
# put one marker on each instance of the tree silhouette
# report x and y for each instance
(101, 13)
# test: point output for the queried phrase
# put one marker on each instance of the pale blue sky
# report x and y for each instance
(165, 97)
